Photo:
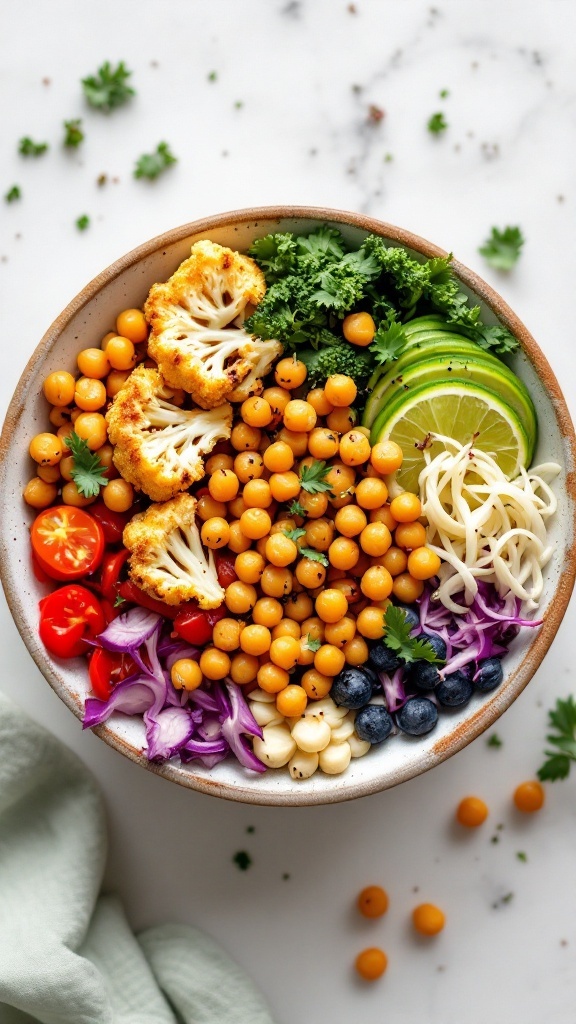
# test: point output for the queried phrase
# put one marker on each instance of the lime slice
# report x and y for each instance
(461, 410)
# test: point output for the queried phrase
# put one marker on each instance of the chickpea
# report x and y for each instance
(237, 506)
(343, 553)
(207, 507)
(315, 505)
(46, 449)
(237, 542)
(529, 797)
(341, 419)
(214, 663)
(349, 587)
(226, 634)
(277, 399)
(71, 496)
(319, 402)
(376, 583)
(94, 363)
(118, 495)
(49, 474)
(323, 443)
(272, 678)
(423, 563)
(256, 412)
(267, 612)
(290, 373)
(240, 597)
(340, 390)
(375, 539)
(428, 919)
(279, 457)
(331, 605)
(287, 627)
(297, 441)
(60, 417)
(406, 507)
(341, 632)
(276, 581)
(370, 623)
(299, 607)
(223, 485)
(292, 701)
(131, 324)
(63, 435)
(257, 494)
(471, 812)
(406, 588)
(186, 674)
(39, 493)
(341, 479)
(310, 574)
(371, 963)
(350, 521)
(245, 438)
(280, 550)
(215, 532)
(66, 465)
(255, 523)
(216, 462)
(372, 901)
(371, 493)
(356, 651)
(91, 426)
(285, 651)
(255, 640)
(116, 380)
(329, 660)
(359, 329)
(244, 668)
(386, 457)
(316, 685)
(59, 388)
(299, 416)
(383, 515)
(395, 561)
(354, 448)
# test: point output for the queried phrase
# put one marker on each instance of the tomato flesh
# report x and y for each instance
(195, 625)
(108, 668)
(112, 523)
(67, 542)
(68, 617)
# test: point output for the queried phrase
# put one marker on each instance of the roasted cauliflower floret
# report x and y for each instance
(196, 320)
(264, 353)
(167, 560)
(158, 446)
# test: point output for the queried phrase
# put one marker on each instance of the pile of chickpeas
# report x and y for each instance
(79, 404)
(295, 622)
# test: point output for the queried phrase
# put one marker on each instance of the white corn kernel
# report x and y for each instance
(335, 758)
(345, 729)
(357, 746)
(262, 696)
(311, 734)
(266, 714)
(326, 709)
(276, 746)
(303, 764)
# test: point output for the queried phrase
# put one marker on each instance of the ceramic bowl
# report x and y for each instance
(84, 322)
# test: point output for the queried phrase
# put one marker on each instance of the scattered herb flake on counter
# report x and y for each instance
(437, 124)
(27, 147)
(108, 88)
(501, 249)
(83, 222)
(13, 194)
(74, 134)
(521, 856)
(558, 761)
(213, 76)
(88, 471)
(444, 93)
(494, 741)
(151, 165)
(242, 860)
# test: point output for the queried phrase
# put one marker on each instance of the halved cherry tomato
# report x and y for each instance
(108, 668)
(130, 592)
(225, 568)
(112, 564)
(68, 617)
(112, 523)
(67, 542)
(195, 625)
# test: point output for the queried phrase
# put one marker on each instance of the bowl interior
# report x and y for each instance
(83, 324)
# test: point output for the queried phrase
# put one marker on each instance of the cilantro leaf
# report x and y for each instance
(83, 222)
(88, 471)
(26, 147)
(13, 193)
(437, 124)
(397, 637)
(150, 165)
(558, 762)
(494, 741)
(108, 88)
(388, 343)
(313, 478)
(314, 556)
(74, 134)
(295, 534)
(313, 643)
(296, 509)
(502, 248)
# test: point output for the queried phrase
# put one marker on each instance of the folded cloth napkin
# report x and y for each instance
(67, 955)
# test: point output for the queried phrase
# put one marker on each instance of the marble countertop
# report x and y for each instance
(292, 115)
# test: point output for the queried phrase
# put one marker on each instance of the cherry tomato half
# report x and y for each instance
(225, 568)
(112, 565)
(195, 625)
(67, 542)
(130, 592)
(112, 523)
(108, 668)
(68, 617)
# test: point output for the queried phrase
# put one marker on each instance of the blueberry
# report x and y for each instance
(418, 716)
(455, 690)
(412, 617)
(373, 723)
(383, 659)
(489, 675)
(436, 643)
(369, 671)
(352, 688)
(424, 676)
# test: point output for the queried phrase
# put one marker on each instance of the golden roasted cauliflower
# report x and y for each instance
(158, 446)
(167, 560)
(196, 320)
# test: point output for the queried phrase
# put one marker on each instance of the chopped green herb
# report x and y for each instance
(494, 741)
(313, 643)
(521, 856)
(242, 860)
(108, 88)
(313, 478)
(397, 638)
(388, 158)
(502, 248)
(507, 898)
(88, 471)
(238, 105)
(29, 148)
(558, 761)
(213, 76)
(119, 601)
(83, 222)
(295, 534)
(74, 134)
(436, 124)
(101, 180)
(444, 93)
(13, 194)
(150, 165)
(296, 509)
(314, 556)
(388, 343)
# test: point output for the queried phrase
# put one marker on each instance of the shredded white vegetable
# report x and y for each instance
(484, 526)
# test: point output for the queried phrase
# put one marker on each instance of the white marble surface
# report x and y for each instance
(303, 136)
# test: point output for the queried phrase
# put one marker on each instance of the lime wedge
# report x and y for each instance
(461, 410)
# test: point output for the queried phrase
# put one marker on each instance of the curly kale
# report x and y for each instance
(339, 358)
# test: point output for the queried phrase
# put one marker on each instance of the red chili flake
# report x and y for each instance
(375, 114)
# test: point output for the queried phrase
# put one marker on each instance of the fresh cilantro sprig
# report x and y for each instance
(313, 478)
(151, 165)
(502, 248)
(388, 343)
(397, 637)
(108, 88)
(27, 147)
(296, 509)
(73, 133)
(83, 222)
(314, 556)
(87, 471)
(295, 534)
(13, 194)
(437, 123)
(558, 761)
(313, 643)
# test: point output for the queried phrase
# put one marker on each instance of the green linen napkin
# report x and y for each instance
(67, 955)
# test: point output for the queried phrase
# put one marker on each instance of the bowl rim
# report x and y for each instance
(487, 713)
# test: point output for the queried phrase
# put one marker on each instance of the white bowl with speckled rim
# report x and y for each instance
(83, 323)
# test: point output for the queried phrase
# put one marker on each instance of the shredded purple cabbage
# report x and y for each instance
(202, 724)
(394, 692)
